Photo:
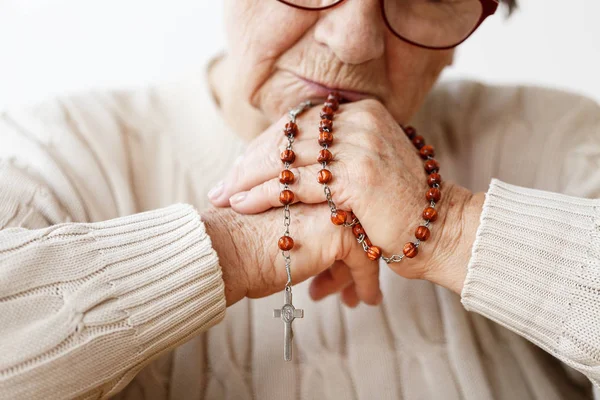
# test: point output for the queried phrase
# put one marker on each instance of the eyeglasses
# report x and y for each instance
(431, 24)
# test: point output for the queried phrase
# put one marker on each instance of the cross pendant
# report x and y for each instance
(288, 313)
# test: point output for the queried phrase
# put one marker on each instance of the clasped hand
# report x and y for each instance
(377, 174)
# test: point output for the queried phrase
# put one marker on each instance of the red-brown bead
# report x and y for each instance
(358, 230)
(339, 217)
(326, 125)
(430, 213)
(286, 176)
(326, 112)
(290, 129)
(325, 138)
(324, 176)
(432, 166)
(434, 178)
(410, 132)
(333, 105)
(418, 141)
(410, 250)
(368, 241)
(325, 156)
(285, 243)
(433, 194)
(286, 197)
(374, 253)
(422, 233)
(427, 151)
(335, 99)
(288, 156)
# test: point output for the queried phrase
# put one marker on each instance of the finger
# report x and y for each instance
(365, 274)
(262, 161)
(330, 281)
(349, 296)
(305, 187)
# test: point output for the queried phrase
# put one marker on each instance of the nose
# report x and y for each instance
(353, 30)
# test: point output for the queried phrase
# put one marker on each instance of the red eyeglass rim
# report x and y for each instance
(488, 7)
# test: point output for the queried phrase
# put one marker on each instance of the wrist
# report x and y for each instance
(219, 225)
(457, 236)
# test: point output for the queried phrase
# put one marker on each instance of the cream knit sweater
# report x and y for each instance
(106, 287)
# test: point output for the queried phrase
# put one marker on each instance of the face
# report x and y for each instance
(281, 56)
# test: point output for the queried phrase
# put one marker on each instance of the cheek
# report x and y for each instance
(412, 72)
(258, 33)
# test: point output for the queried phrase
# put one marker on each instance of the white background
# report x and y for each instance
(56, 46)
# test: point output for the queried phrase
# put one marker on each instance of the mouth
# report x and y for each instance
(320, 91)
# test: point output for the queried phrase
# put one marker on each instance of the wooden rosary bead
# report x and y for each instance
(285, 243)
(291, 129)
(422, 233)
(410, 250)
(325, 156)
(288, 156)
(286, 197)
(326, 125)
(324, 176)
(286, 176)
(327, 113)
(432, 166)
(427, 151)
(418, 141)
(339, 218)
(410, 132)
(325, 138)
(334, 99)
(434, 178)
(373, 253)
(333, 106)
(368, 241)
(434, 194)
(430, 214)
(358, 230)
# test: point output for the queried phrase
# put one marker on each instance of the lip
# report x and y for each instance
(319, 90)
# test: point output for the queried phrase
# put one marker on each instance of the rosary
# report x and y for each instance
(288, 312)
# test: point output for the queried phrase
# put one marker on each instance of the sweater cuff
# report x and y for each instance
(535, 269)
(164, 273)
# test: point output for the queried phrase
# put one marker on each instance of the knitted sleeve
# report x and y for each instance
(84, 306)
(535, 263)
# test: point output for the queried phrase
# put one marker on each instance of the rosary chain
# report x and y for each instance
(287, 219)
(338, 217)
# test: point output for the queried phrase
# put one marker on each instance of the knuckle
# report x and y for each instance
(272, 160)
(366, 171)
(270, 190)
(372, 113)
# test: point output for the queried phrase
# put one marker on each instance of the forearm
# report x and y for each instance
(535, 268)
(85, 304)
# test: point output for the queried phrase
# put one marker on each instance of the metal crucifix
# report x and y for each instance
(288, 313)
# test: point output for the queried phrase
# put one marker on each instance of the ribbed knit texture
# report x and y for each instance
(98, 295)
(117, 294)
(535, 268)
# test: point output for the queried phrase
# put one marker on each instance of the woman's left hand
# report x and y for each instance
(377, 174)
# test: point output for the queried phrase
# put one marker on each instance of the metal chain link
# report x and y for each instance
(287, 218)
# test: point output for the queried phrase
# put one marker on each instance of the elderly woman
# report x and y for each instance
(109, 289)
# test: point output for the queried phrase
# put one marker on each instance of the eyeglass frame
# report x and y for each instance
(488, 8)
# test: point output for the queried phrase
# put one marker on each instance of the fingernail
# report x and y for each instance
(216, 191)
(238, 197)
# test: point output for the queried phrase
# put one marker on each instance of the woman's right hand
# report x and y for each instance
(253, 266)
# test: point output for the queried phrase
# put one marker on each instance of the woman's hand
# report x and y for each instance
(377, 174)
(253, 266)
